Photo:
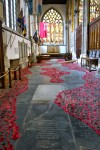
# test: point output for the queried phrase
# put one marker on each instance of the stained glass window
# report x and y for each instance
(54, 27)
(94, 10)
(80, 11)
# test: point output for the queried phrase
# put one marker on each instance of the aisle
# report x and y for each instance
(44, 123)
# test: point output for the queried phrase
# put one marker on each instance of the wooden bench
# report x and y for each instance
(91, 60)
(44, 57)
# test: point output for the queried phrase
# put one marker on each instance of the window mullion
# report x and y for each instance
(9, 7)
(15, 14)
(13, 10)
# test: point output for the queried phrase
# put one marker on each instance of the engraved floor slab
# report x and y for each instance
(86, 148)
(46, 127)
(47, 92)
(85, 135)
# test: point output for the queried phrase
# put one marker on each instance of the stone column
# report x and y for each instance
(67, 27)
(67, 38)
(2, 68)
(75, 23)
(85, 27)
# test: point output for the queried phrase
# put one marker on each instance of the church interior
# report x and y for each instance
(49, 75)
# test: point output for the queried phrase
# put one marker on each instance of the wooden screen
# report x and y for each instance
(94, 34)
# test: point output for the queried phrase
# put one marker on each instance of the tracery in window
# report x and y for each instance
(54, 27)
(80, 11)
(94, 10)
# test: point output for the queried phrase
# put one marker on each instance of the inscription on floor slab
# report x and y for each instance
(47, 127)
(48, 134)
(86, 148)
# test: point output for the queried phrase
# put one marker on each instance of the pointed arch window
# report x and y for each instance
(94, 10)
(54, 27)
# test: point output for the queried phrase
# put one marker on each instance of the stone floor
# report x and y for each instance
(45, 126)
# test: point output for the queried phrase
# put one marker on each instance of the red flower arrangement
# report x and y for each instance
(54, 74)
(8, 127)
(83, 102)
